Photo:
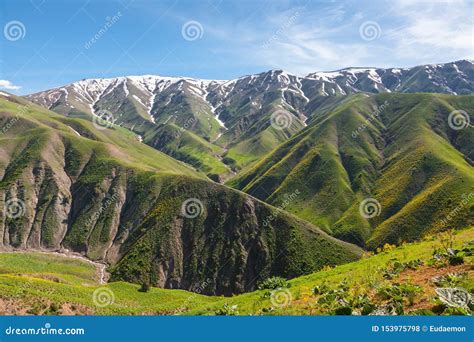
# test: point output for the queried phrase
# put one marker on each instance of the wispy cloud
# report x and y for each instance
(429, 29)
(298, 40)
(302, 40)
(4, 84)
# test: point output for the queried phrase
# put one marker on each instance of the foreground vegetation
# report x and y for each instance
(396, 280)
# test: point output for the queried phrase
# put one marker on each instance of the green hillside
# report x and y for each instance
(396, 280)
(188, 147)
(397, 149)
(101, 192)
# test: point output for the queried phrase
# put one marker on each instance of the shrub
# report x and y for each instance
(450, 279)
(456, 260)
(273, 283)
(447, 254)
(343, 311)
(320, 289)
(395, 267)
(451, 256)
(227, 310)
(388, 247)
(368, 308)
(422, 312)
(54, 309)
(145, 287)
(37, 308)
(397, 293)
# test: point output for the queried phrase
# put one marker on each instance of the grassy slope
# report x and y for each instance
(24, 282)
(188, 147)
(143, 227)
(180, 106)
(248, 151)
(407, 158)
(249, 139)
(31, 278)
(229, 243)
(38, 124)
(38, 139)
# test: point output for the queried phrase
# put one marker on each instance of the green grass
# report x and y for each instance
(406, 157)
(246, 152)
(361, 276)
(68, 270)
(188, 147)
(31, 277)
(115, 143)
(21, 281)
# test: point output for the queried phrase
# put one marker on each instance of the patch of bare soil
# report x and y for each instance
(22, 308)
(423, 278)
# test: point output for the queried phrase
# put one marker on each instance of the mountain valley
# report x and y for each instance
(174, 181)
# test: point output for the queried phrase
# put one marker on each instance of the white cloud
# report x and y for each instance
(8, 85)
(304, 54)
(442, 29)
(296, 40)
(303, 40)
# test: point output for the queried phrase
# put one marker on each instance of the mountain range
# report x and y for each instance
(130, 170)
(226, 123)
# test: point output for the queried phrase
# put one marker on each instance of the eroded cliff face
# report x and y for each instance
(60, 192)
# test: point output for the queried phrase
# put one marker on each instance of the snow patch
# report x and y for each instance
(139, 100)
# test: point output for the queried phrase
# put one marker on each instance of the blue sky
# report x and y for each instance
(48, 43)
